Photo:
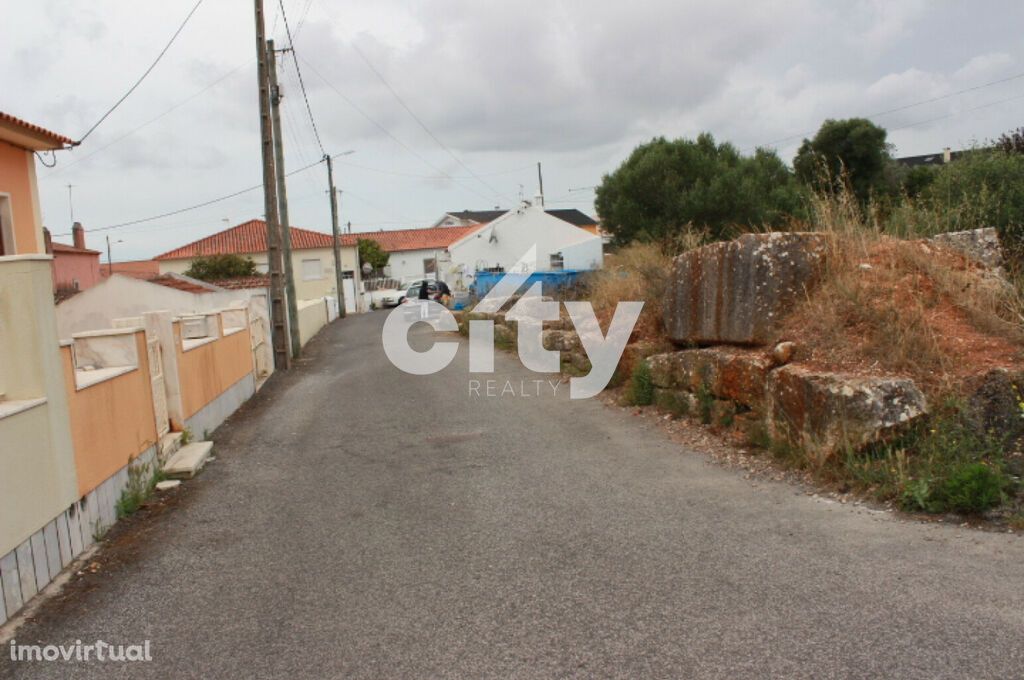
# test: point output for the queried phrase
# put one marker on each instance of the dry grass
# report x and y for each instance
(904, 307)
(640, 271)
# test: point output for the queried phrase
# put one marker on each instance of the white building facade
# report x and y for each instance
(501, 243)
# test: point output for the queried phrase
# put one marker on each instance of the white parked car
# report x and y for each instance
(387, 297)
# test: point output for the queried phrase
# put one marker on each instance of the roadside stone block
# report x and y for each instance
(677, 402)
(980, 245)
(563, 341)
(731, 373)
(996, 404)
(735, 292)
(504, 335)
(823, 413)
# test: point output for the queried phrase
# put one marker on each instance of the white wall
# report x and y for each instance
(408, 264)
(515, 232)
(120, 296)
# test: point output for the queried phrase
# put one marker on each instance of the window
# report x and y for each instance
(429, 265)
(557, 263)
(312, 270)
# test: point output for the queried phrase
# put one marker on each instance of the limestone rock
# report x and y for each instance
(825, 413)
(996, 404)
(980, 245)
(783, 353)
(564, 341)
(735, 292)
(731, 373)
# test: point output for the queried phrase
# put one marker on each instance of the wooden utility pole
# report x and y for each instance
(337, 238)
(278, 333)
(282, 201)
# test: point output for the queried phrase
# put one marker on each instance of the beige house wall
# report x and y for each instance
(313, 280)
(37, 468)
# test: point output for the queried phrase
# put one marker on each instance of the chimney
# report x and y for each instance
(947, 155)
(78, 235)
(47, 241)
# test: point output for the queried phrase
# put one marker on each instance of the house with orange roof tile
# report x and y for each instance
(415, 253)
(312, 258)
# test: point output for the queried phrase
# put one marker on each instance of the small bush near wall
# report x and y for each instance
(641, 389)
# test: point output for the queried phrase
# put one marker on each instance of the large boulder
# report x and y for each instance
(735, 292)
(980, 245)
(825, 413)
(731, 373)
(996, 404)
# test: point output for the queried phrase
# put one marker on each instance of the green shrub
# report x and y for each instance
(971, 489)
(983, 188)
(672, 402)
(705, 403)
(141, 481)
(641, 389)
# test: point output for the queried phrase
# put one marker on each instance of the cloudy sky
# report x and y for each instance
(493, 88)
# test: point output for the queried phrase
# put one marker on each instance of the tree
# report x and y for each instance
(216, 267)
(371, 252)
(1012, 141)
(667, 186)
(852, 150)
(983, 188)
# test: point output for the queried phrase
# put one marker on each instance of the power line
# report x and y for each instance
(298, 72)
(959, 113)
(143, 77)
(413, 175)
(904, 108)
(302, 19)
(193, 207)
(387, 132)
(150, 121)
(421, 123)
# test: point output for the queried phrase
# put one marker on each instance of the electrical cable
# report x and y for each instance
(422, 124)
(150, 121)
(901, 108)
(197, 205)
(298, 72)
(387, 132)
(143, 77)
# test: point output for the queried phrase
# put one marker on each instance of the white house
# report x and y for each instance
(500, 243)
(414, 253)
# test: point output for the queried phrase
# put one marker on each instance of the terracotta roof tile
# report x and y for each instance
(179, 284)
(139, 269)
(248, 237)
(65, 248)
(412, 239)
(244, 282)
(35, 129)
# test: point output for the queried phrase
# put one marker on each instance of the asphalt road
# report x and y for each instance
(360, 522)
